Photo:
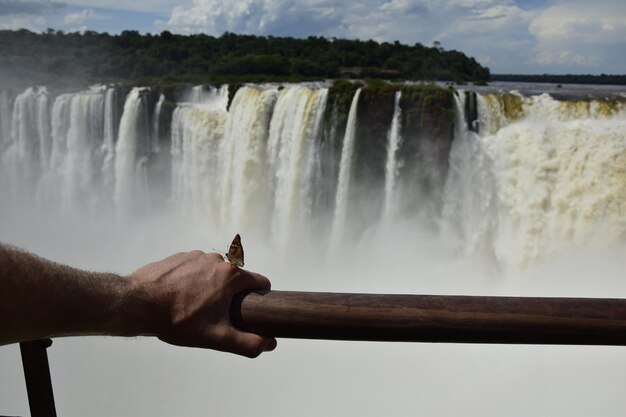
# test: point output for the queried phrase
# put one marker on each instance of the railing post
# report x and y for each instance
(37, 375)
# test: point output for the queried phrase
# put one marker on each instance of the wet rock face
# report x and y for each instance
(340, 97)
(427, 134)
(427, 130)
(471, 110)
(375, 113)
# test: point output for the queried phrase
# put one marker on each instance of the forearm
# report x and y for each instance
(39, 298)
(183, 300)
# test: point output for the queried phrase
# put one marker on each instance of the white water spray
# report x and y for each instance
(542, 176)
(126, 156)
(394, 141)
(154, 143)
(110, 136)
(197, 135)
(84, 140)
(345, 171)
(293, 135)
(244, 186)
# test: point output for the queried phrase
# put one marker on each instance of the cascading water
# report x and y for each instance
(243, 165)
(28, 130)
(128, 185)
(206, 95)
(345, 168)
(469, 210)
(293, 140)
(197, 133)
(154, 142)
(43, 130)
(84, 139)
(391, 166)
(540, 175)
(52, 181)
(5, 139)
(533, 182)
(5, 118)
(274, 134)
(522, 178)
(110, 135)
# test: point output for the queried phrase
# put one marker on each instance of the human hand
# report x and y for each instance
(188, 298)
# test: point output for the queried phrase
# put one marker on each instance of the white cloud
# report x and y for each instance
(500, 11)
(31, 15)
(565, 58)
(153, 6)
(79, 18)
(580, 36)
(276, 17)
(403, 6)
(22, 22)
(587, 22)
(483, 28)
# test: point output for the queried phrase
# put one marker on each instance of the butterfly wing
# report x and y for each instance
(235, 252)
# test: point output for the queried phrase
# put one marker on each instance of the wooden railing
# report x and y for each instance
(396, 318)
(431, 318)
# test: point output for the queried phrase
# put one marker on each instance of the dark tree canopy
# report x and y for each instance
(91, 57)
(605, 79)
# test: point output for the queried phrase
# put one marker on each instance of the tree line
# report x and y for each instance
(102, 57)
(606, 79)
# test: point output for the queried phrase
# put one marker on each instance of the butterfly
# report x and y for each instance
(235, 252)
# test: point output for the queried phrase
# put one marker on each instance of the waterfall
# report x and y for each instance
(84, 140)
(43, 129)
(542, 175)
(243, 166)
(110, 135)
(469, 212)
(560, 171)
(154, 144)
(197, 133)
(25, 148)
(51, 187)
(345, 170)
(294, 132)
(29, 131)
(394, 141)
(127, 157)
(5, 119)
(529, 178)
(252, 166)
(207, 94)
(5, 143)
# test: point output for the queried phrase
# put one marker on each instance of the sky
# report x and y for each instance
(508, 36)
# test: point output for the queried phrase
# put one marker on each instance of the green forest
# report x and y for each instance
(605, 79)
(58, 57)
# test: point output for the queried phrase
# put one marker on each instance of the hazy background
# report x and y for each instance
(131, 377)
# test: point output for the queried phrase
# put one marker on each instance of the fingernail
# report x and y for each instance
(271, 345)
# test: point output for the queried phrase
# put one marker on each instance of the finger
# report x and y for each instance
(215, 257)
(248, 344)
(245, 280)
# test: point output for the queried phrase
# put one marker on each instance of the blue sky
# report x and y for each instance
(523, 36)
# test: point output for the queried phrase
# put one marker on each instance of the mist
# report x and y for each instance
(482, 241)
